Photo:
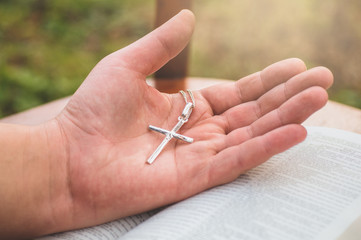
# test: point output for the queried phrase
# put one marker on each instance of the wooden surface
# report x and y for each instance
(333, 115)
(171, 77)
(337, 115)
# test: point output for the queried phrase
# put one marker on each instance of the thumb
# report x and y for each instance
(151, 52)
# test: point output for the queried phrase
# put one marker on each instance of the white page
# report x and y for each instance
(107, 231)
(312, 191)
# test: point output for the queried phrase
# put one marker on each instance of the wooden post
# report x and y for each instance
(172, 77)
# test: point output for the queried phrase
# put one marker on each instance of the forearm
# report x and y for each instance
(33, 189)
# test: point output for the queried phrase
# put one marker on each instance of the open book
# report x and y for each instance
(311, 191)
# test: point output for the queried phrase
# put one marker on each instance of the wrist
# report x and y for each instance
(33, 180)
(58, 205)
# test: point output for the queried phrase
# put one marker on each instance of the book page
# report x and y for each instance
(108, 231)
(312, 191)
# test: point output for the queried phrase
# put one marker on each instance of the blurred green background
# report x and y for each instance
(47, 47)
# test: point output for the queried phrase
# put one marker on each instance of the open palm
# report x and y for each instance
(235, 126)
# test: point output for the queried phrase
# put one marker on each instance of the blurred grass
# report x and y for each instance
(47, 47)
(235, 38)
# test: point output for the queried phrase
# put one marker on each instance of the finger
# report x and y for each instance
(231, 162)
(294, 111)
(151, 52)
(225, 96)
(247, 113)
(319, 76)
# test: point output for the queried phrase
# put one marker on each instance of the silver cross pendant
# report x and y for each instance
(182, 119)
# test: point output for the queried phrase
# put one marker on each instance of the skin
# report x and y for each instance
(87, 166)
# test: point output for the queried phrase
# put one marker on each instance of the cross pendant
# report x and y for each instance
(173, 133)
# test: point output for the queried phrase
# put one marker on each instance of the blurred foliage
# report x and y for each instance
(235, 38)
(47, 47)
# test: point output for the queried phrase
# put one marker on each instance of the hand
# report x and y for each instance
(235, 126)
